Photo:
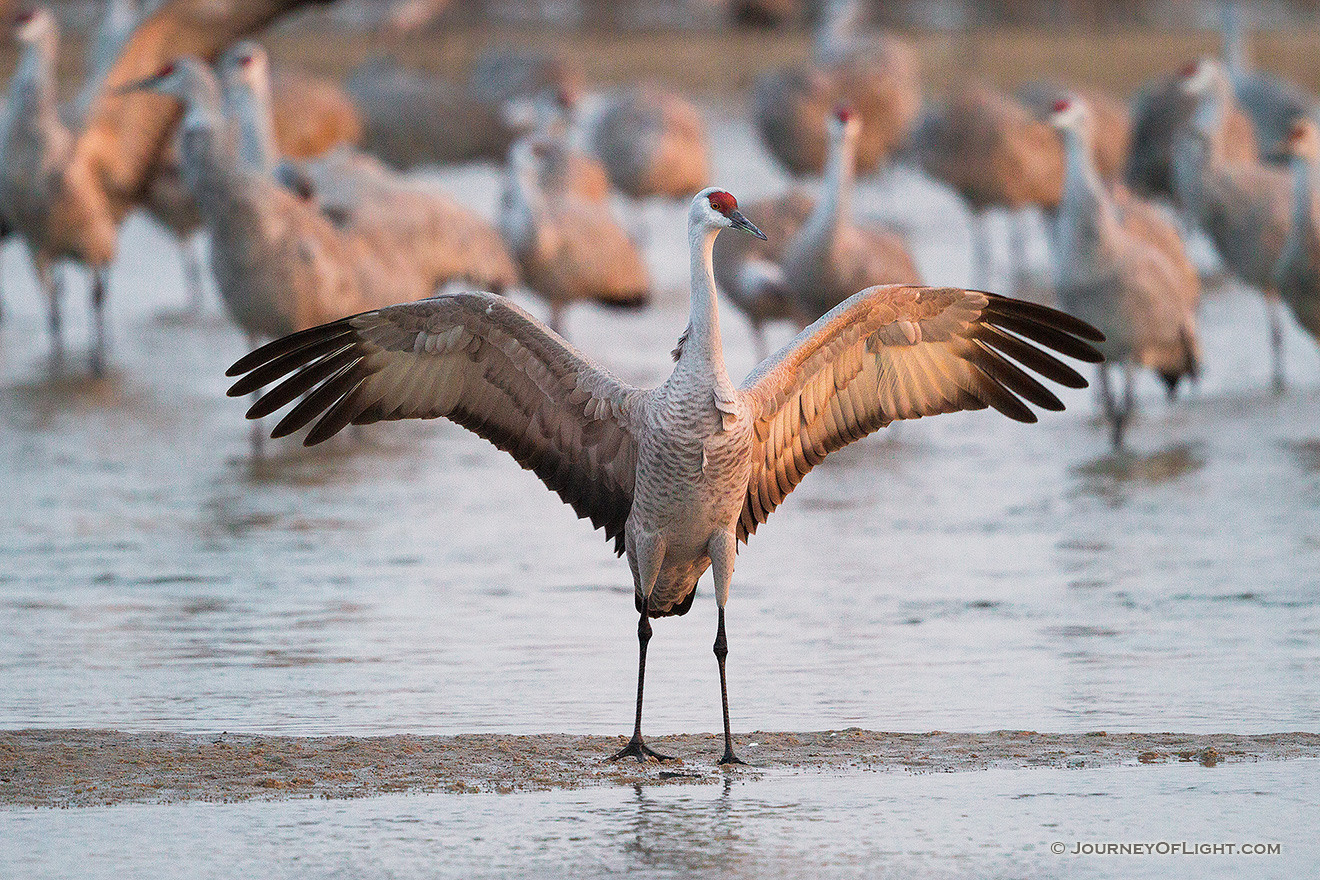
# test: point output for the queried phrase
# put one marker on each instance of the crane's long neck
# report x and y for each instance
(210, 163)
(703, 350)
(1304, 173)
(249, 106)
(838, 29)
(1085, 212)
(834, 207)
(32, 88)
(526, 202)
(1234, 40)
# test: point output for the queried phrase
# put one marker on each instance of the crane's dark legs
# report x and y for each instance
(98, 316)
(636, 748)
(722, 651)
(1274, 306)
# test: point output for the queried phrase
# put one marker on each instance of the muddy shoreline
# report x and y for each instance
(75, 768)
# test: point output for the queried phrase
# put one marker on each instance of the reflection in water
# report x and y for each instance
(1161, 466)
(991, 823)
(1306, 453)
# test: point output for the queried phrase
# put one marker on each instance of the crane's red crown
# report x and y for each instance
(843, 113)
(1189, 69)
(24, 16)
(166, 70)
(723, 202)
(1061, 105)
(246, 59)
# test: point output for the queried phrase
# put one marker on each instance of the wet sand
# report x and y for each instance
(78, 768)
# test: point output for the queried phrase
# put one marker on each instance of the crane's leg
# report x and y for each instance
(557, 318)
(1113, 414)
(648, 553)
(98, 315)
(1017, 238)
(723, 549)
(980, 269)
(192, 273)
(759, 350)
(52, 287)
(258, 437)
(1275, 308)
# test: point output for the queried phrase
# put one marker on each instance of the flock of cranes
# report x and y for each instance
(324, 249)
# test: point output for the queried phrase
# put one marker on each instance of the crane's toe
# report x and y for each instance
(642, 752)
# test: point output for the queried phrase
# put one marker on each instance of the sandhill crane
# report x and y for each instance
(749, 271)
(1160, 112)
(441, 240)
(280, 266)
(1117, 281)
(652, 142)
(874, 73)
(36, 148)
(568, 249)
(989, 148)
(564, 167)
(831, 257)
(1245, 207)
(676, 475)
(411, 119)
(1270, 102)
(1110, 120)
(501, 74)
(86, 195)
(244, 71)
(1297, 276)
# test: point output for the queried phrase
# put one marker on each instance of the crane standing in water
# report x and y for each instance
(675, 475)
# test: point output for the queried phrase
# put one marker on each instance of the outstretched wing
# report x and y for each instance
(477, 359)
(897, 352)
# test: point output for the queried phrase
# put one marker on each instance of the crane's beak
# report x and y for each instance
(741, 222)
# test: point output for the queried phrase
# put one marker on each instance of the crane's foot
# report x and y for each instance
(730, 758)
(641, 751)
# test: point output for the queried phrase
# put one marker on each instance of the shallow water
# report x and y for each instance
(961, 573)
(993, 823)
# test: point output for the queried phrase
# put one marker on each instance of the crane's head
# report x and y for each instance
(1303, 140)
(245, 63)
(1069, 114)
(714, 208)
(1199, 77)
(33, 25)
(843, 119)
(188, 79)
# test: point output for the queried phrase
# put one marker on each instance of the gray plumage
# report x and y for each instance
(750, 271)
(874, 73)
(652, 142)
(831, 256)
(412, 119)
(1244, 206)
(568, 249)
(35, 151)
(674, 475)
(1297, 276)
(441, 240)
(1117, 281)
